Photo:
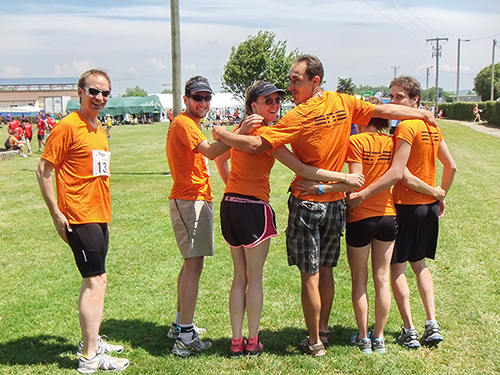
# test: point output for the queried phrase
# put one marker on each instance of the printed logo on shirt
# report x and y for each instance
(375, 157)
(330, 119)
(430, 136)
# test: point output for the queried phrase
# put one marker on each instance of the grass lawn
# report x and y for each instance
(39, 282)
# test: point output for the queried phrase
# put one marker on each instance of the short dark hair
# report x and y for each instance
(314, 67)
(410, 85)
(93, 72)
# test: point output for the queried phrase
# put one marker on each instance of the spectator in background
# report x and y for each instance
(28, 133)
(12, 143)
(40, 126)
(13, 125)
(477, 114)
(50, 123)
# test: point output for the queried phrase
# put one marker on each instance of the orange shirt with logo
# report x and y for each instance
(318, 131)
(188, 167)
(250, 173)
(424, 140)
(374, 151)
(80, 155)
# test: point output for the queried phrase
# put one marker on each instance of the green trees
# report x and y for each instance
(346, 86)
(482, 83)
(259, 57)
(136, 91)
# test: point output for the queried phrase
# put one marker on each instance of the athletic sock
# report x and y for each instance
(186, 332)
(177, 318)
(427, 322)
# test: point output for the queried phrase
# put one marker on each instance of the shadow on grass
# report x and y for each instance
(153, 338)
(38, 350)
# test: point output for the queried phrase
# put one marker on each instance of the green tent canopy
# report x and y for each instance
(121, 106)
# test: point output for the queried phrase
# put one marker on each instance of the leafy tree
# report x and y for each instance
(167, 91)
(346, 86)
(482, 83)
(136, 91)
(447, 96)
(259, 57)
(383, 89)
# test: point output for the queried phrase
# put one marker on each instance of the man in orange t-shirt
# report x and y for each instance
(419, 204)
(418, 212)
(78, 151)
(191, 210)
(318, 130)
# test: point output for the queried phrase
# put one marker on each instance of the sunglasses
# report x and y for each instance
(199, 98)
(94, 92)
(271, 101)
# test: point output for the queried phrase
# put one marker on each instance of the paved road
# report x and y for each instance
(480, 127)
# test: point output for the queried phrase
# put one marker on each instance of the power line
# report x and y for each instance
(410, 65)
(437, 53)
(437, 33)
(404, 15)
(486, 37)
(390, 19)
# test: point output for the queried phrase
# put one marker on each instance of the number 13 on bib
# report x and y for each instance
(100, 161)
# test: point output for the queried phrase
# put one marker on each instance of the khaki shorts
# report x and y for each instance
(193, 225)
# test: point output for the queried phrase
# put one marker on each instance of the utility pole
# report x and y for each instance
(437, 52)
(492, 97)
(395, 70)
(458, 66)
(427, 83)
(176, 56)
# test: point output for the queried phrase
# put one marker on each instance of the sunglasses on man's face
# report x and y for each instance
(199, 98)
(271, 101)
(94, 92)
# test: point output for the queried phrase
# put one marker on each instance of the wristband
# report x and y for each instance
(321, 190)
(345, 177)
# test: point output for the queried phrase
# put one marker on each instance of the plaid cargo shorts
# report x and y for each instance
(313, 233)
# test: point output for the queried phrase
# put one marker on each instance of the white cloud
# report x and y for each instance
(11, 72)
(76, 68)
(158, 64)
(190, 67)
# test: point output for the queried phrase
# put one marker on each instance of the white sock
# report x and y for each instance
(186, 332)
(177, 318)
(427, 322)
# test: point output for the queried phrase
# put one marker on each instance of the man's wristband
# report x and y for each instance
(321, 189)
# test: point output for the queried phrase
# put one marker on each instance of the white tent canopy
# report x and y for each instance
(27, 110)
(221, 100)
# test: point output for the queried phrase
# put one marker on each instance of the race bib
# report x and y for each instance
(100, 160)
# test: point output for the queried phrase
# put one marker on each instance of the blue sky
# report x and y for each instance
(361, 39)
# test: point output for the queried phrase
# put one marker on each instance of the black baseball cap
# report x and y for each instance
(200, 85)
(266, 89)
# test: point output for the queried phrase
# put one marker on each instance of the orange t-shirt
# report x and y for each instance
(250, 173)
(424, 140)
(188, 167)
(318, 130)
(81, 156)
(374, 151)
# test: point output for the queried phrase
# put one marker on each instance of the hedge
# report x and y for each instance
(465, 111)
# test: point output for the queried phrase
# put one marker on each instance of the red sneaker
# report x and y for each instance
(238, 347)
(254, 347)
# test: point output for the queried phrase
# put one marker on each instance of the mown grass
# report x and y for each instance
(39, 283)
